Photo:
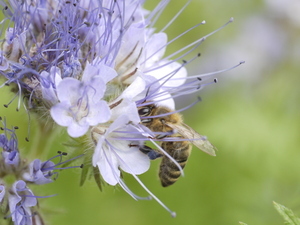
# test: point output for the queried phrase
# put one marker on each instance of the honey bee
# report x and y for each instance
(170, 124)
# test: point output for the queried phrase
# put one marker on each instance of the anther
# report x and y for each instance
(27, 139)
(115, 104)
(131, 145)
(215, 80)
(81, 166)
(16, 127)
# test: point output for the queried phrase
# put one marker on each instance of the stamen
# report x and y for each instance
(55, 166)
(174, 39)
(175, 17)
(35, 196)
(166, 78)
(212, 73)
(125, 77)
(167, 155)
(6, 105)
(29, 122)
(156, 12)
(172, 112)
(117, 177)
(173, 214)
(200, 40)
(115, 104)
(117, 67)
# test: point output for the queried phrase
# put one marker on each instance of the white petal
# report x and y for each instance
(89, 72)
(137, 86)
(60, 115)
(96, 155)
(77, 130)
(128, 109)
(157, 41)
(108, 167)
(99, 113)
(69, 90)
(132, 160)
(106, 73)
(168, 102)
(166, 71)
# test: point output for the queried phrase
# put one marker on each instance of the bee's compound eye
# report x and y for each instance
(144, 111)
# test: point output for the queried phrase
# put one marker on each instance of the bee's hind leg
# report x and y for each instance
(152, 153)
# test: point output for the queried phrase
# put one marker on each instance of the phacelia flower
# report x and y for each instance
(21, 199)
(17, 200)
(90, 66)
(80, 105)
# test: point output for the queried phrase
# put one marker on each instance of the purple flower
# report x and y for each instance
(2, 192)
(21, 199)
(80, 103)
(39, 172)
(89, 66)
(43, 172)
(113, 151)
(9, 144)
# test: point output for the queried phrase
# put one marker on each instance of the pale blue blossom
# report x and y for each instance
(80, 105)
(2, 192)
(21, 199)
(88, 66)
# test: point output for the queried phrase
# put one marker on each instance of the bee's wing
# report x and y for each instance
(198, 140)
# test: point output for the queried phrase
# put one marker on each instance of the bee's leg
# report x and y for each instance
(150, 152)
(165, 134)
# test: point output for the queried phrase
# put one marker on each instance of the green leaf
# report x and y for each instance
(287, 214)
(85, 170)
(98, 178)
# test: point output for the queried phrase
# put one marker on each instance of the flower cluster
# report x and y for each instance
(90, 66)
(17, 200)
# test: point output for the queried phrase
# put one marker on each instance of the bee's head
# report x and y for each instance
(144, 112)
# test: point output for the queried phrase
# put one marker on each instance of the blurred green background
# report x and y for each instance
(251, 116)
